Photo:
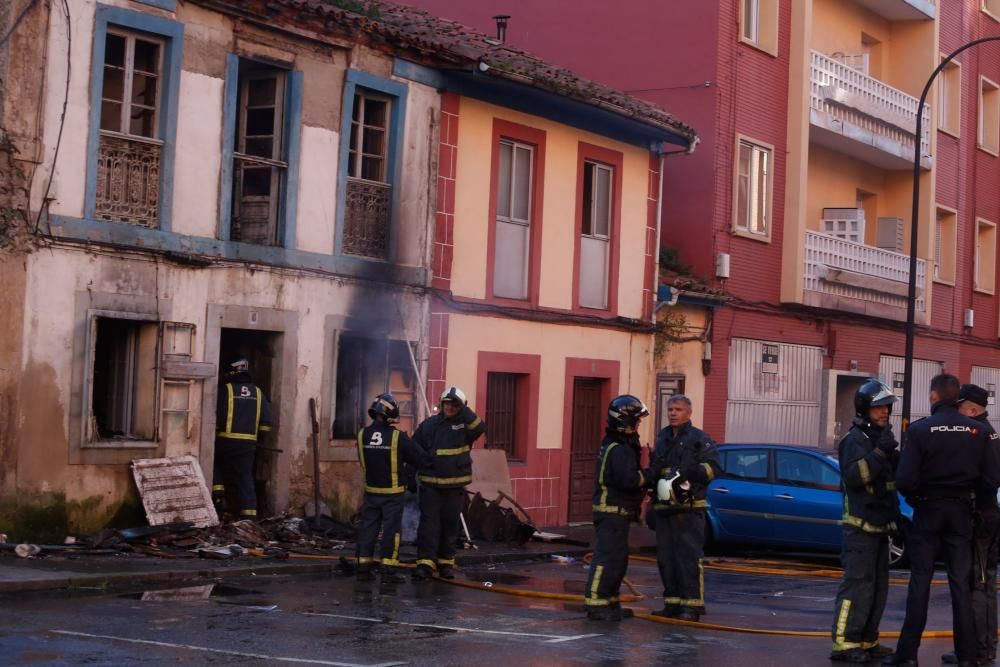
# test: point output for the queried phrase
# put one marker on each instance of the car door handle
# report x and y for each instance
(785, 496)
(720, 489)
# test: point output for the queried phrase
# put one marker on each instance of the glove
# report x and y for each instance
(886, 442)
(466, 415)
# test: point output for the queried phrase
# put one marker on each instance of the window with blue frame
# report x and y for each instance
(374, 110)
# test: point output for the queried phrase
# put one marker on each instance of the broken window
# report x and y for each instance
(259, 165)
(124, 380)
(367, 367)
(130, 141)
(369, 191)
(503, 392)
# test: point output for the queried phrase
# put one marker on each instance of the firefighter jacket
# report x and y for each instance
(383, 451)
(986, 494)
(945, 456)
(692, 453)
(243, 411)
(620, 480)
(449, 442)
(868, 478)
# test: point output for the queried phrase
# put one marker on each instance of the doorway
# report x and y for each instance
(262, 350)
(585, 440)
(843, 411)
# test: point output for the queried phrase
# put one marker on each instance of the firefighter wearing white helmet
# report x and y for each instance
(447, 437)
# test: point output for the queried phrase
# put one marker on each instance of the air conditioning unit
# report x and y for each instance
(845, 223)
(889, 234)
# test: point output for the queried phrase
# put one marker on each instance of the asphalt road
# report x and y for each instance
(332, 620)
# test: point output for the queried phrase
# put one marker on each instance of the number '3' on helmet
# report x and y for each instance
(872, 394)
(384, 405)
(624, 412)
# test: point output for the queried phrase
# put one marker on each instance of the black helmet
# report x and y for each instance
(384, 405)
(624, 412)
(872, 394)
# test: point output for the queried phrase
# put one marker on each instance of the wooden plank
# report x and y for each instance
(174, 490)
(174, 369)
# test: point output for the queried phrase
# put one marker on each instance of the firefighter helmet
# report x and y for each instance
(385, 406)
(872, 394)
(239, 365)
(624, 413)
(454, 395)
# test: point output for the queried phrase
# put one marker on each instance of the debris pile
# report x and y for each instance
(276, 537)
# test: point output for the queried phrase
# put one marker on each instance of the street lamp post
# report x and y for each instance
(911, 302)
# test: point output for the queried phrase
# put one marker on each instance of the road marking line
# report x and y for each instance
(224, 652)
(549, 639)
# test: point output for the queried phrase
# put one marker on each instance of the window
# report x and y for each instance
(503, 395)
(803, 470)
(759, 24)
(950, 98)
(985, 259)
(258, 158)
(992, 9)
(367, 367)
(598, 190)
(369, 192)
(130, 141)
(513, 216)
(753, 190)
(989, 115)
(746, 464)
(945, 237)
(123, 372)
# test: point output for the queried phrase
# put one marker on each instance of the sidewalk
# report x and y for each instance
(103, 571)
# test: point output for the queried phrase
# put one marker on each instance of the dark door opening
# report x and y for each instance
(263, 350)
(585, 440)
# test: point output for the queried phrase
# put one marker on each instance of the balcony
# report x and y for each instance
(856, 114)
(366, 219)
(902, 10)
(858, 278)
(128, 180)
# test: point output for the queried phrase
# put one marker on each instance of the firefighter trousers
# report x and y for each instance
(861, 597)
(984, 590)
(233, 468)
(945, 524)
(680, 544)
(610, 560)
(385, 513)
(439, 524)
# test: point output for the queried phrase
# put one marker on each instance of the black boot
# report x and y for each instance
(852, 655)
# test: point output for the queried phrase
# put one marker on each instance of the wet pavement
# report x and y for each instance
(328, 619)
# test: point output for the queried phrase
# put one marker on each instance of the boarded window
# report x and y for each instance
(513, 230)
(366, 368)
(595, 241)
(369, 191)
(985, 259)
(502, 405)
(945, 238)
(258, 160)
(950, 98)
(124, 380)
(130, 143)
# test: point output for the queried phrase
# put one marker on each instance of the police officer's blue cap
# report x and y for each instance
(974, 394)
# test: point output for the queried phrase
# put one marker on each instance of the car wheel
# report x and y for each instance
(897, 549)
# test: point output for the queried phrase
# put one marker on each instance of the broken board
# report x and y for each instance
(172, 490)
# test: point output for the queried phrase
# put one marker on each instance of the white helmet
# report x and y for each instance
(454, 395)
(666, 493)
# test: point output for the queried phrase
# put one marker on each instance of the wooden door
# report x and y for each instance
(588, 430)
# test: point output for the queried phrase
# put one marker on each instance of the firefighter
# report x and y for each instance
(686, 458)
(242, 414)
(972, 402)
(868, 458)
(941, 465)
(618, 494)
(382, 451)
(447, 437)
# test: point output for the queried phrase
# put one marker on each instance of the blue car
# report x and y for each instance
(783, 496)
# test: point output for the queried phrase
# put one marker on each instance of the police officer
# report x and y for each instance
(686, 457)
(382, 451)
(447, 437)
(617, 496)
(938, 470)
(242, 414)
(972, 401)
(867, 479)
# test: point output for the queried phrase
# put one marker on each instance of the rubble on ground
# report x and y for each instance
(277, 537)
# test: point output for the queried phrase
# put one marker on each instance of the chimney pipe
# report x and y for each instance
(501, 20)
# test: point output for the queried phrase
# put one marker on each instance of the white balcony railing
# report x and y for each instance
(855, 271)
(851, 96)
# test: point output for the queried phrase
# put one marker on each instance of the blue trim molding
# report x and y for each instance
(173, 34)
(229, 100)
(398, 91)
(166, 5)
(293, 152)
